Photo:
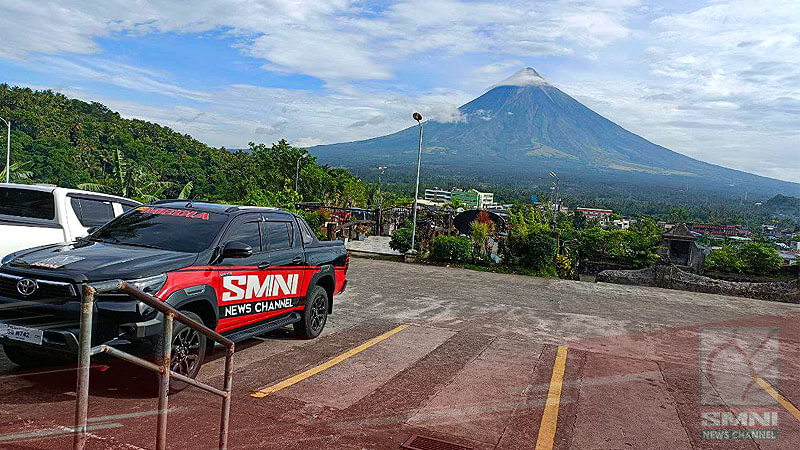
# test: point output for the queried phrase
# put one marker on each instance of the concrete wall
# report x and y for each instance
(671, 277)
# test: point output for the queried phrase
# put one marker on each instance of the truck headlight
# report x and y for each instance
(149, 285)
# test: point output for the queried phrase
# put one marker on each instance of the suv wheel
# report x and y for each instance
(188, 351)
(315, 314)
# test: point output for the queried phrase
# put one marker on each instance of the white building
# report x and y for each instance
(603, 216)
(438, 195)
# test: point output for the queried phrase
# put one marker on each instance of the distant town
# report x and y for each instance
(709, 236)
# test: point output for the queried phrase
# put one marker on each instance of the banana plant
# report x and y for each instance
(19, 172)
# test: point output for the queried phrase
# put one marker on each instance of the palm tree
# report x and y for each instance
(131, 181)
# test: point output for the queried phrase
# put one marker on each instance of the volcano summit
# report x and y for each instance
(524, 127)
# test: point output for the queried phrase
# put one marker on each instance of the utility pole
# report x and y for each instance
(418, 117)
(8, 149)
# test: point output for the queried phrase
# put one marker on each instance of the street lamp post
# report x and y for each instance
(418, 117)
(381, 169)
(554, 187)
(297, 173)
(379, 218)
(8, 149)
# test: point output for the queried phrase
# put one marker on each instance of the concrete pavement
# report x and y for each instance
(476, 367)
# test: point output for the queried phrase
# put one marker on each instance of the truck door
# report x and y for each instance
(286, 255)
(239, 285)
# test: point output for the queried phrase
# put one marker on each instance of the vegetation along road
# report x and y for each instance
(481, 359)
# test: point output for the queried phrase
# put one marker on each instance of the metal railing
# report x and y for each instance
(86, 351)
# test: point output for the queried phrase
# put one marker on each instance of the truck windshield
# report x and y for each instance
(179, 230)
(29, 203)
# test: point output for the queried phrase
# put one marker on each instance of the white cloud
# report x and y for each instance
(331, 40)
(716, 81)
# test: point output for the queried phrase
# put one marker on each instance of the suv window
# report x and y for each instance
(305, 231)
(92, 213)
(278, 235)
(27, 203)
(245, 230)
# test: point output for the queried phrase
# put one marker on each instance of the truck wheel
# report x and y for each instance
(23, 358)
(315, 314)
(188, 351)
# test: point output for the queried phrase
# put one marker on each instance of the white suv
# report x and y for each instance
(34, 215)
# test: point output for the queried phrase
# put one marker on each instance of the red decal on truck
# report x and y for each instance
(174, 212)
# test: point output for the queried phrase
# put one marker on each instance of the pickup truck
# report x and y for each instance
(242, 271)
(34, 215)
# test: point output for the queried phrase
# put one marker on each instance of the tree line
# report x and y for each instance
(72, 143)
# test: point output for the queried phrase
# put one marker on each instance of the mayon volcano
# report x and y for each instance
(524, 127)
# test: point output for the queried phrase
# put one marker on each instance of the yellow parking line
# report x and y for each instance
(777, 396)
(547, 429)
(326, 365)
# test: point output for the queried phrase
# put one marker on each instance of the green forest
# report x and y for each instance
(72, 143)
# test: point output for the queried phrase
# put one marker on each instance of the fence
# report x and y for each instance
(382, 222)
(170, 314)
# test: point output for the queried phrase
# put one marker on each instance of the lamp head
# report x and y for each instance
(417, 116)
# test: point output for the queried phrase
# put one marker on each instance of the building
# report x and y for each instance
(679, 246)
(624, 224)
(720, 231)
(789, 257)
(438, 195)
(601, 215)
(474, 199)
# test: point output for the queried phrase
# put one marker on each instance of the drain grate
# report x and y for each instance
(417, 442)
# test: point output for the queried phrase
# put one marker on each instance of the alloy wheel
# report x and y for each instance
(185, 351)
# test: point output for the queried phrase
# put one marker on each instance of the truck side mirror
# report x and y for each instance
(236, 249)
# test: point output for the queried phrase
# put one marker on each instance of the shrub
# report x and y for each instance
(401, 240)
(635, 248)
(750, 258)
(534, 249)
(759, 258)
(725, 259)
(451, 249)
(480, 238)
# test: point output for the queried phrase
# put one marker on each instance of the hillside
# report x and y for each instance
(524, 127)
(68, 142)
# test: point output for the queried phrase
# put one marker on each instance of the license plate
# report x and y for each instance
(22, 334)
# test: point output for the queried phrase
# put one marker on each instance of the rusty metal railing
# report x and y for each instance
(86, 351)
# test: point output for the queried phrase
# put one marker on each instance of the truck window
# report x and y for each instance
(278, 235)
(92, 213)
(179, 230)
(27, 203)
(305, 231)
(245, 230)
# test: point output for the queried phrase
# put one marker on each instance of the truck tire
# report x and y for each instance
(315, 314)
(188, 352)
(23, 358)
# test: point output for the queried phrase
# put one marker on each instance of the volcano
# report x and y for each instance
(524, 127)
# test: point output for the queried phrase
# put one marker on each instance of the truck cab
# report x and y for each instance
(34, 215)
(242, 271)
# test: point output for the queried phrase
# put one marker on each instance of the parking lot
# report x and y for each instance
(478, 359)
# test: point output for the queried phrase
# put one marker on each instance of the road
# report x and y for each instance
(478, 359)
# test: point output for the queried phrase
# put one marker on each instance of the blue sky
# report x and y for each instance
(716, 80)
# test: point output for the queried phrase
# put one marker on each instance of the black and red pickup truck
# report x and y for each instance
(242, 271)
